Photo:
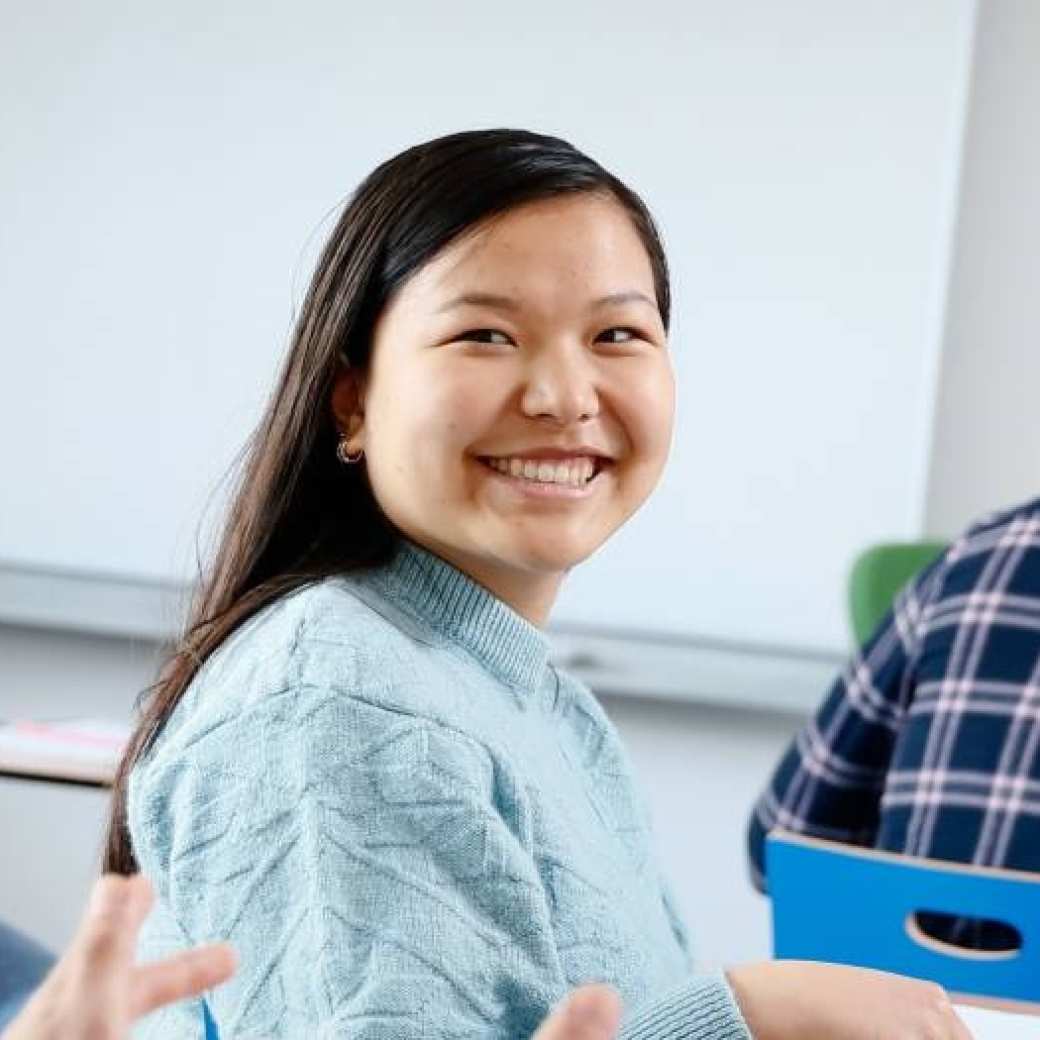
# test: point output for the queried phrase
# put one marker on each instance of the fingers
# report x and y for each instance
(108, 931)
(589, 1013)
(185, 975)
(95, 990)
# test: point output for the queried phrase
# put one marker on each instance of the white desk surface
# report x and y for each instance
(992, 1024)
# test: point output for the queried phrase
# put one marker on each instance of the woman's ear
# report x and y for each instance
(348, 407)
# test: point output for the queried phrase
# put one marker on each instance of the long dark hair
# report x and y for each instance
(297, 514)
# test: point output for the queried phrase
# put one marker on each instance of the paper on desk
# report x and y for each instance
(86, 749)
(989, 1024)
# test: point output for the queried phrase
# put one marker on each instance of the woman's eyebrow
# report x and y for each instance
(480, 299)
(628, 296)
(508, 303)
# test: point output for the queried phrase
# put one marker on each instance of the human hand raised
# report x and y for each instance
(96, 991)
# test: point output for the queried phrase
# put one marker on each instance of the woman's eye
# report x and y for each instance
(621, 334)
(485, 336)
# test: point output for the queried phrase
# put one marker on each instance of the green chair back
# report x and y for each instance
(877, 576)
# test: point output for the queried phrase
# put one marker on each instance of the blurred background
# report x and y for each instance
(848, 193)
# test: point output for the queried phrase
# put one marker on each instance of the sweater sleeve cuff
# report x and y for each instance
(703, 1008)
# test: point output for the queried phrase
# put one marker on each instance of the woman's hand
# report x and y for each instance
(96, 990)
(803, 1000)
(589, 1013)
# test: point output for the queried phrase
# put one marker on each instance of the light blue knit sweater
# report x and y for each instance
(409, 824)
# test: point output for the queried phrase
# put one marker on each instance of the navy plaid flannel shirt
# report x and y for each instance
(929, 743)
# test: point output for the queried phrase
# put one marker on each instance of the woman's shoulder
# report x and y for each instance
(308, 644)
(277, 645)
(317, 634)
(317, 684)
(330, 645)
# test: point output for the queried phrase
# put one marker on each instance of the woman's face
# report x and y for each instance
(519, 403)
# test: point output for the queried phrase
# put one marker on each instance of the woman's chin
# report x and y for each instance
(550, 555)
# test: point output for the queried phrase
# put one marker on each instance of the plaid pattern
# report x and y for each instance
(929, 742)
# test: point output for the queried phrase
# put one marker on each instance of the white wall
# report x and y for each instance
(700, 767)
(986, 450)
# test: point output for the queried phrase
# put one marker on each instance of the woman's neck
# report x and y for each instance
(531, 594)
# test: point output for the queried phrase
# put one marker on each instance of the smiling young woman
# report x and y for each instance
(359, 765)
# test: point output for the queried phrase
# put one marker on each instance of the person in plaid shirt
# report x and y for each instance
(929, 742)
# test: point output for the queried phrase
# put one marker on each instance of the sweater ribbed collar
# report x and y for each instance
(454, 605)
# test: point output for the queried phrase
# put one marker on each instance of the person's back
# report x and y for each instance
(929, 742)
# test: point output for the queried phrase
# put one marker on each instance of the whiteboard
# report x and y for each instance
(169, 172)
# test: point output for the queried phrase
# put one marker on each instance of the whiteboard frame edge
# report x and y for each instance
(630, 665)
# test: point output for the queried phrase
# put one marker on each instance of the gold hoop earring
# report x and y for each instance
(344, 455)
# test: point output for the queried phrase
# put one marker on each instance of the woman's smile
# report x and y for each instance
(557, 476)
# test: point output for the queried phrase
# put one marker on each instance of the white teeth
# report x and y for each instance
(571, 473)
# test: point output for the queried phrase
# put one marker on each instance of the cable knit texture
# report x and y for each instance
(409, 824)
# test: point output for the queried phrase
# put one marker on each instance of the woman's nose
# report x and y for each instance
(562, 388)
